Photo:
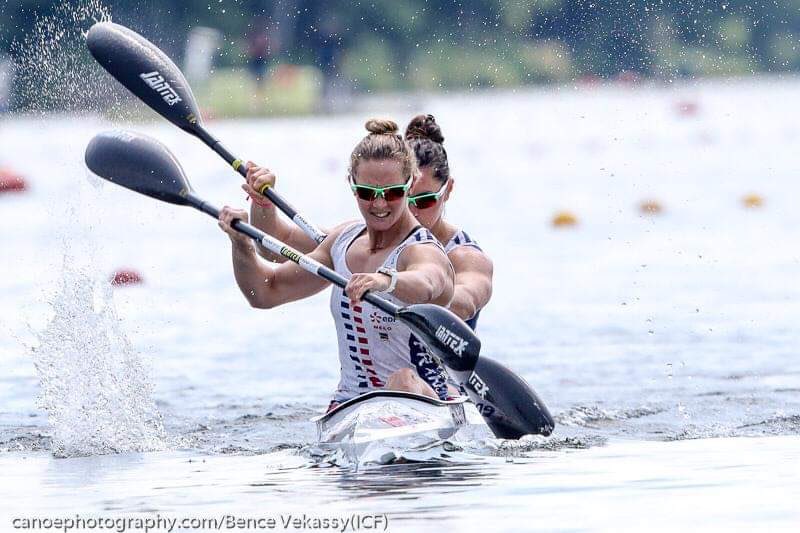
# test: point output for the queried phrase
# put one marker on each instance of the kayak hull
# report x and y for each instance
(384, 426)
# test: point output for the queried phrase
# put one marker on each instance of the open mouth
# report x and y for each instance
(383, 214)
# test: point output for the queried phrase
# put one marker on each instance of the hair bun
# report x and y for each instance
(424, 127)
(382, 126)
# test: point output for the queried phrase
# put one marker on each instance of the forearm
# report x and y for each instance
(464, 302)
(252, 276)
(268, 220)
(415, 287)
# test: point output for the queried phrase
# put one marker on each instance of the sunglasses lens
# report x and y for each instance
(425, 202)
(365, 194)
(393, 194)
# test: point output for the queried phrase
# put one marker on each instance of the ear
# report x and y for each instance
(449, 189)
(414, 179)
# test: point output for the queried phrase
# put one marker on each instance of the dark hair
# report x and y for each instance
(426, 139)
(383, 142)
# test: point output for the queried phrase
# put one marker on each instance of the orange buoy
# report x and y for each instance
(11, 182)
(753, 201)
(564, 219)
(126, 276)
(651, 207)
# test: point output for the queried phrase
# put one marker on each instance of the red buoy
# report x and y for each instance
(126, 276)
(11, 182)
(628, 77)
(687, 108)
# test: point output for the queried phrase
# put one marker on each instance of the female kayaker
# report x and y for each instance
(387, 252)
(428, 197)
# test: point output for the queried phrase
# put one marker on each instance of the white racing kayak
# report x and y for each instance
(385, 426)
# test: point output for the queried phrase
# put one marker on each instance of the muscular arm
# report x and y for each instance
(473, 283)
(265, 216)
(267, 220)
(266, 286)
(425, 276)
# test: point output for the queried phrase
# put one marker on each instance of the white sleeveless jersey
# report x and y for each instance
(373, 344)
(460, 239)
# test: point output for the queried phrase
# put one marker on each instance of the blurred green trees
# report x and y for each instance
(404, 44)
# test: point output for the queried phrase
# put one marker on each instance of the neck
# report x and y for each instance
(379, 240)
(442, 230)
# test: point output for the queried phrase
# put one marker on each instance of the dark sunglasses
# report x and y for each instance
(389, 193)
(426, 199)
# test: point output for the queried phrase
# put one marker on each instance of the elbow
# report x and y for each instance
(441, 294)
(463, 309)
(257, 301)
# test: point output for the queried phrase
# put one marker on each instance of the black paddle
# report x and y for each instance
(509, 406)
(149, 74)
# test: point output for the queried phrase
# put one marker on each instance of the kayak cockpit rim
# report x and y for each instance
(388, 394)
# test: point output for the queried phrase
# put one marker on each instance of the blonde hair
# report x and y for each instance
(383, 142)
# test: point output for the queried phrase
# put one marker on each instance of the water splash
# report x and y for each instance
(94, 386)
(593, 416)
(55, 70)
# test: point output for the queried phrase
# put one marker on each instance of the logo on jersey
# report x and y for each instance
(382, 324)
(377, 319)
(451, 340)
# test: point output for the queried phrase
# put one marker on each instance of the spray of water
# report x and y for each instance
(55, 70)
(93, 384)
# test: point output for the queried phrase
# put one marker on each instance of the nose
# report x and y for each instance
(380, 201)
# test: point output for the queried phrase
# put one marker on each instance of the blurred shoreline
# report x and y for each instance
(218, 103)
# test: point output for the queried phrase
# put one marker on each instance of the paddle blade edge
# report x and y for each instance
(509, 406)
(139, 163)
(146, 71)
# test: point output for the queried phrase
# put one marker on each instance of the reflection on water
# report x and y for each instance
(410, 481)
(646, 336)
(741, 482)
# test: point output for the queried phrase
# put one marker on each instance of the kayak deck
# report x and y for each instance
(383, 424)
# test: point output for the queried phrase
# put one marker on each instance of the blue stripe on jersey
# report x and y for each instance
(473, 322)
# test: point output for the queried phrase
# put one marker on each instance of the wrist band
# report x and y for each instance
(392, 273)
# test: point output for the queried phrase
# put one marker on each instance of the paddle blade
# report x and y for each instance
(146, 71)
(507, 403)
(138, 163)
(446, 335)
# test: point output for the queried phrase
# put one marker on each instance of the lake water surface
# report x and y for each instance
(666, 345)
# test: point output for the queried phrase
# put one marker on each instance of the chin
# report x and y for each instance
(424, 220)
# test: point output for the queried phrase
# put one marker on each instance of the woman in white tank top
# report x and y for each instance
(427, 199)
(389, 253)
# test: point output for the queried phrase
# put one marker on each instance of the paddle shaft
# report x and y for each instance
(238, 165)
(277, 247)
